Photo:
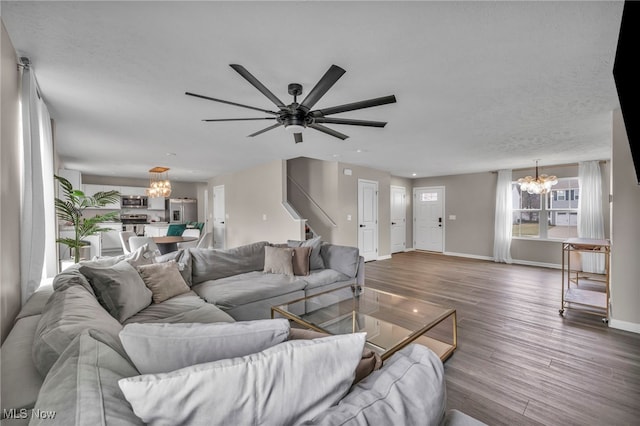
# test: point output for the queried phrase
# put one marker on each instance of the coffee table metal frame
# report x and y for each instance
(443, 349)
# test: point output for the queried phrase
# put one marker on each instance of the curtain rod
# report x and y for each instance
(551, 165)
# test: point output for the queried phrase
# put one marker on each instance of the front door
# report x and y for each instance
(428, 216)
(398, 219)
(368, 219)
(219, 217)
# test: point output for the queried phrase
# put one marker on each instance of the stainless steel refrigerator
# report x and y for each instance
(182, 210)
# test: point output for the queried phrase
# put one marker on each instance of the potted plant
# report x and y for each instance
(70, 208)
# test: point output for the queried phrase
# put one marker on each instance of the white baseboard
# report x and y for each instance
(539, 264)
(409, 249)
(624, 325)
(470, 256)
(385, 257)
(514, 261)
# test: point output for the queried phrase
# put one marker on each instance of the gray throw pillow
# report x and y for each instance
(161, 348)
(164, 280)
(315, 262)
(278, 260)
(119, 289)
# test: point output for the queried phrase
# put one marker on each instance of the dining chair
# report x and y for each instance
(176, 230)
(190, 232)
(205, 241)
(124, 240)
(136, 242)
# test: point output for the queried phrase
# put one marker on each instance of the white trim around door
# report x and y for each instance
(398, 219)
(368, 219)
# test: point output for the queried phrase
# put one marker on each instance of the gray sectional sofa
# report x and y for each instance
(63, 357)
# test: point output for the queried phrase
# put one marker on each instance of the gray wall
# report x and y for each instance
(625, 233)
(250, 196)
(337, 194)
(10, 177)
(471, 198)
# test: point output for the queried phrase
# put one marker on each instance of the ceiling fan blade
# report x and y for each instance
(297, 137)
(325, 83)
(229, 103)
(238, 119)
(328, 131)
(329, 120)
(255, 83)
(355, 105)
(259, 132)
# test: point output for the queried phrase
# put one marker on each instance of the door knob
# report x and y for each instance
(362, 226)
(393, 223)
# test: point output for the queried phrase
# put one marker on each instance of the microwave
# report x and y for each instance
(133, 202)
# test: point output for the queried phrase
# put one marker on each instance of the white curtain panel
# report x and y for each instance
(590, 215)
(33, 212)
(503, 220)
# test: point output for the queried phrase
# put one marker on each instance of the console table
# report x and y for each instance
(589, 300)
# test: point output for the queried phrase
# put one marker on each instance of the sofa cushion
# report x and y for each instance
(70, 277)
(278, 260)
(246, 288)
(274, 387)
(341, 258)
(301, 259)
(164, 280)
(18, 368)
(36, 302)
(119, 289)
(211, 264)
(65, 316)
(185, 308)
(410, 387)
(161, 348)
(82, 386)
(316, 261)
(323, 277)
(183, 258)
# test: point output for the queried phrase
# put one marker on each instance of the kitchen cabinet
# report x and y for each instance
(132, 190)
(156, 203)
(73, 176)
(91, 189)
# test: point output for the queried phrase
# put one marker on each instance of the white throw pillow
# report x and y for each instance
(285, 384)
(160, 348)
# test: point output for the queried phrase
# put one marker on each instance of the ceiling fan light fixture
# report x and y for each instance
(294, 128)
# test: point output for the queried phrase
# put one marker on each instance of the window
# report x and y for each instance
(559, 207)
(429, 196)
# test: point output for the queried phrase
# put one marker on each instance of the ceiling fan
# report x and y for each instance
(295, 117)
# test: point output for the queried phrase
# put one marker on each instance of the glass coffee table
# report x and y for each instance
(390, 321)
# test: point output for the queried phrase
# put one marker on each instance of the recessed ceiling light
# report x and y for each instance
(358, 150)
(414, 174)
(336, 155)
(171, 154)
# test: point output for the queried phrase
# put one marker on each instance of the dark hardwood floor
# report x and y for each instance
(518, 362)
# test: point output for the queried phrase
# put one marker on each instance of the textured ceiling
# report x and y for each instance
(480, 85)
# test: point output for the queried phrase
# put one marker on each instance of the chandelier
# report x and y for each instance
(540, 185)
(159, 185)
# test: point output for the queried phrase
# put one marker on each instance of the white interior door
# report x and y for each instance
(398, 219)
(368, 219)
(219, 217)
(428, 216)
